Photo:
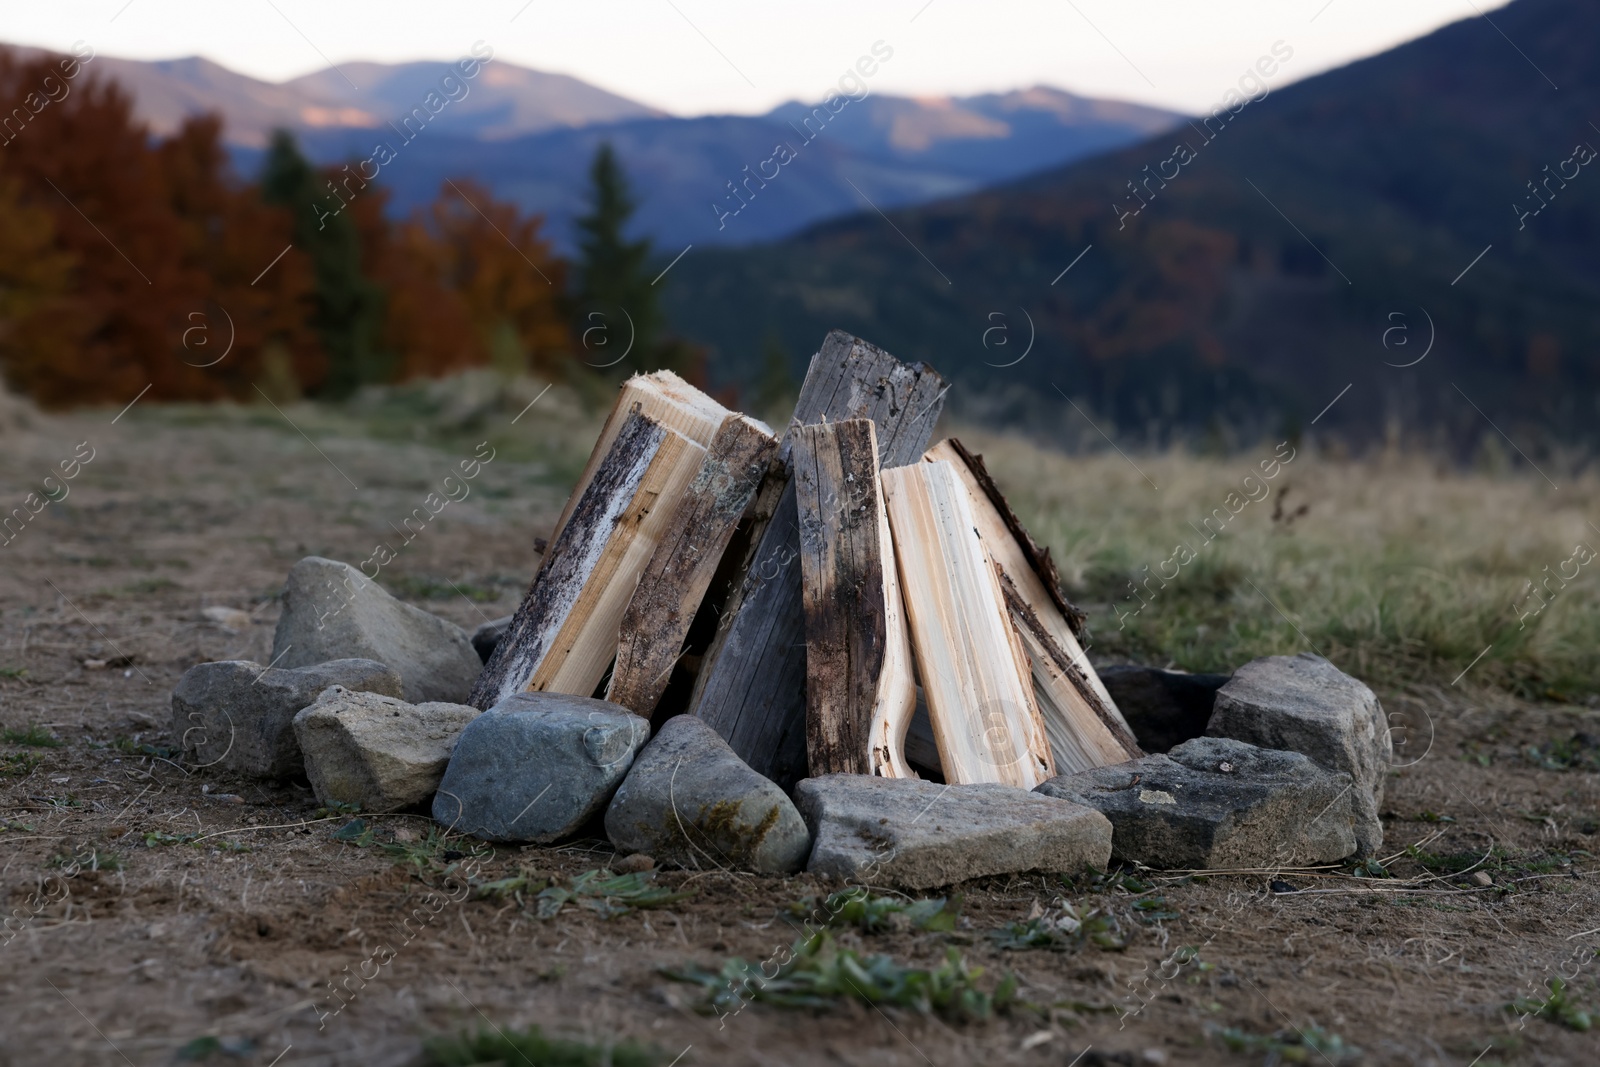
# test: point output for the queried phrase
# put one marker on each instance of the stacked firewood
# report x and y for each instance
(845, 600)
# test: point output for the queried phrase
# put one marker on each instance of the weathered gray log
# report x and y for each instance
(751, 687)
(564, 634)
(677, 576)
(859, 688)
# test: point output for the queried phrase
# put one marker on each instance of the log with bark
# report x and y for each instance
(860, 692)
(668, 400)
(564, 635)
(751, 686)
(675, 580)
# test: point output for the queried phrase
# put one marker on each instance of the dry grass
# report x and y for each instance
(1399, 570)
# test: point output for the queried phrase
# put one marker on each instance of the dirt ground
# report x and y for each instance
(155, 905)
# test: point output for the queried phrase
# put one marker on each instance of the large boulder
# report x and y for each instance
(1163, 708)
(377, 752)
(691, 801)
(921, 834)
(1215, 803)
(1305, 704)
(240, 715)
(486, 638)
(333, 611)
(537, 766)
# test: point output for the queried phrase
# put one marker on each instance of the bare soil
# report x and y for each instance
(224, 907)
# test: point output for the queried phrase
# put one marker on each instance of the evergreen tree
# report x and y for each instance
(614, 272)
(349, 306)
(775, 390)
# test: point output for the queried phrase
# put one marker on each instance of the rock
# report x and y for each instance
(921, 834)
(377, 751)
(537, 766)
(634, 864)
(1215, 803)
(240, 715)
(691, 801)
(1163, 708)
(332, 611)
(1305, 704)
(487, 637)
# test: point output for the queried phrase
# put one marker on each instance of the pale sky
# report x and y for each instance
(694, 57)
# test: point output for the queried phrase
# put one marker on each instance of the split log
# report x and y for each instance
(751, 687)
(564, 635)
(676, 578)
(668, 400)
(970, 660)
(1082, 721)
(859, 688)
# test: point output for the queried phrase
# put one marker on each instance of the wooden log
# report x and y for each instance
(859, 688)
(1074, 702)
(676, 578)
(1077, 742)
(751, 686)
(975, 675)
(669, 401)
(564, 635)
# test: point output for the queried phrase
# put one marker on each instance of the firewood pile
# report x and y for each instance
(843, 599)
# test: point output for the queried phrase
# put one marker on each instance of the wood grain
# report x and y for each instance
(751, 687)
(1074, 703)
(666, 398)
(564, 634)
(974, 673)
(675, 580)
(859, 688)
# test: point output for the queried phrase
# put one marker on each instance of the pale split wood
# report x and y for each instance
(1078, 742)
(859, 689)
(1079, 696)
(675, 580)
(564, 634)
(665, 398)
(974, 673)
(751, 686)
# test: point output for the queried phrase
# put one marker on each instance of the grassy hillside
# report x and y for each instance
(1245, 291)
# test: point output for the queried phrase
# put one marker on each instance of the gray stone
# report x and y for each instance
(1305, 704)
(333, 611)
(537, 766)
(377, 752)
(920, 834)
(690, 801)
(1163, 708)
(1215, 803)
(240, 715)
(487, 637)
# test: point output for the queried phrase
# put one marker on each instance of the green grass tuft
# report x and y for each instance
(861, 910)
(820, 974)
(34, 736)
(1558, 1007)
(502, 1047)
(1312, 1044)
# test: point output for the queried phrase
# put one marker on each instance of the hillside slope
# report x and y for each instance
(1243, 292)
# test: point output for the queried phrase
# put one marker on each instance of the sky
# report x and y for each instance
(691, 57)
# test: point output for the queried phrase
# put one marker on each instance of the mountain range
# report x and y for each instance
(530, 137)
(1403, 245)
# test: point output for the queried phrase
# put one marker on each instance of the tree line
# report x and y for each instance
(130, 261)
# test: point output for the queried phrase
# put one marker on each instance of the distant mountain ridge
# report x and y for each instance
(1357, 250)
(530, 137)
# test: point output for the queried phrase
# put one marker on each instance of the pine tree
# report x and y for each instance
(349, 305)
(613, 275)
